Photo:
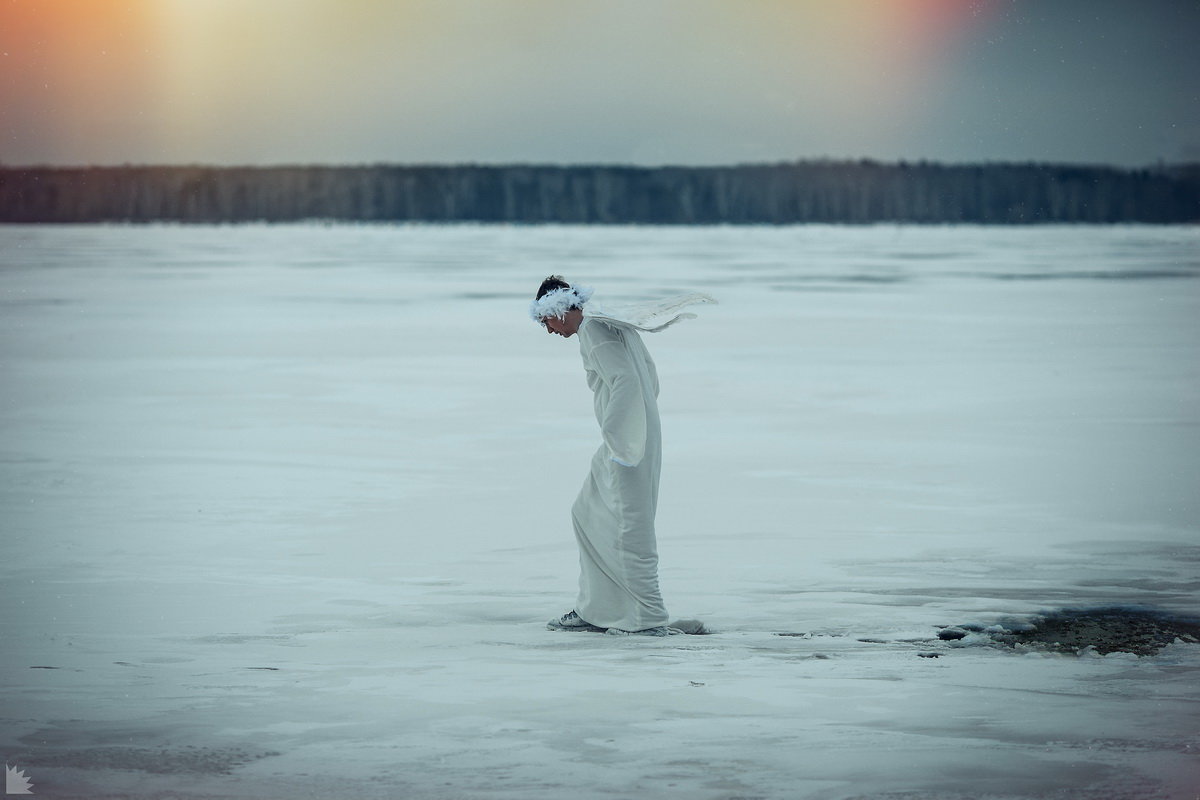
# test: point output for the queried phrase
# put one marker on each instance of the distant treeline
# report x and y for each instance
(813, 191)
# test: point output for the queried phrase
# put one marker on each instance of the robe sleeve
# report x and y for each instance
(623, 419)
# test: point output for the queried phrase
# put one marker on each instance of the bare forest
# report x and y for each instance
(813, 191)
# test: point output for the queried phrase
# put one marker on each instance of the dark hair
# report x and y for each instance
(550, 284)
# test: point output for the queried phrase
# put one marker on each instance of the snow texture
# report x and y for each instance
(285, 511)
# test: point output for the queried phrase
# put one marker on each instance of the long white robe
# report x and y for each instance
(613, 516)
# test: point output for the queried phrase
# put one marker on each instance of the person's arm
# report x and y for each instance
(623, 422)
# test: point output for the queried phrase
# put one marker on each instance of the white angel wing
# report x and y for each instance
(650, 316)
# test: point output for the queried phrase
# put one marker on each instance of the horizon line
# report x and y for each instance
(846, 161)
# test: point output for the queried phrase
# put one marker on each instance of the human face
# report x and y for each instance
(565, 326)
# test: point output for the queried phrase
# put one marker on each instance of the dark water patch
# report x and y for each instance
(1110, 275)
(816, 287)
(239, 638)
(1113, 629)
(78, 744)
(942, 255)
(35, 302)
(876, 279)
(1181, 588)
(851, 278)
(159, 760)
(1101, 592)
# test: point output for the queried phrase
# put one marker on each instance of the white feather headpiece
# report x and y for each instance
(557, 302)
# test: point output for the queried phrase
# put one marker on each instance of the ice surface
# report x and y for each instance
(285, 512)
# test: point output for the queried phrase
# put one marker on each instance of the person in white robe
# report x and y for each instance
(613, 516)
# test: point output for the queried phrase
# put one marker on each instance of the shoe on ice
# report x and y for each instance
(571, 622)
(661, 630)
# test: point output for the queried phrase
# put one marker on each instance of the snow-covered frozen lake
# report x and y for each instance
(285, 511)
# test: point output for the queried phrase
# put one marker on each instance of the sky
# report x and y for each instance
(645, 82)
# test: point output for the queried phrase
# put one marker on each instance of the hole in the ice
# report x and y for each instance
(1141, 631)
